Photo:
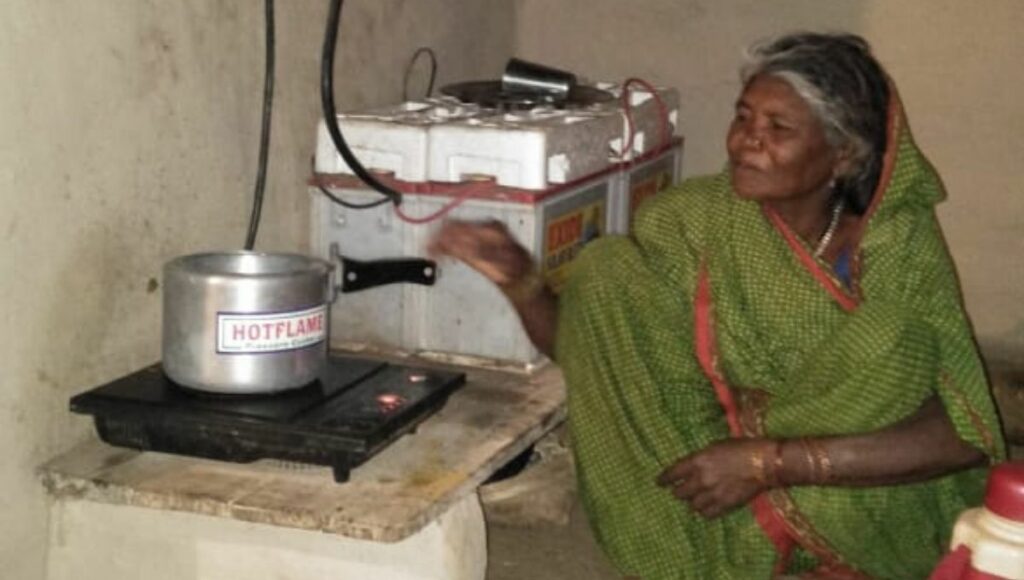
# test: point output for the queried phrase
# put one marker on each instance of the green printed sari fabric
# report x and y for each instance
(800, 360)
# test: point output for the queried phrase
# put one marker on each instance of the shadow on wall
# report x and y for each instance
(102, 318)
(1007, 377)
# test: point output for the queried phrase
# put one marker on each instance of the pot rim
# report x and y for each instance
(193, 264)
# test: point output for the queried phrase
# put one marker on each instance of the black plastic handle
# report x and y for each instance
(358, 275)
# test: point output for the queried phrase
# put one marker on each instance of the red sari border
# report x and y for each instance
(769, 509)
(846, 300)
(707, 355)
(769, 520)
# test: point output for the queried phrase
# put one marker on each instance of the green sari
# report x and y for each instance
(714, 320)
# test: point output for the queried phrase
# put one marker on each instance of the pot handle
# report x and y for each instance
(359, 275)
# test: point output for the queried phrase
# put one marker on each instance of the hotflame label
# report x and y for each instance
(279, 331)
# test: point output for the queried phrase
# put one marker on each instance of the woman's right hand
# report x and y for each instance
(487, 247)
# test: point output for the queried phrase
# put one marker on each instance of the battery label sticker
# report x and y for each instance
(566, 235)
(280, 331)
(642, 187)
(645, 188)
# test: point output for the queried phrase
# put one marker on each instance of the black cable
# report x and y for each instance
(340, 201)
(330, 115)
(268, 100)
(408, 69)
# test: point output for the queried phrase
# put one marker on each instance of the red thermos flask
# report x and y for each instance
(988, 542)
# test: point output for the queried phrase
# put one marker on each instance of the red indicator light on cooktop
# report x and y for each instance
(389, 402)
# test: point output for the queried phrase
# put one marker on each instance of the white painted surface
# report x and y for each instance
(97, 541)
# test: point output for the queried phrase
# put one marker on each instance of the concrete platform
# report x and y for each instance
(411, 512)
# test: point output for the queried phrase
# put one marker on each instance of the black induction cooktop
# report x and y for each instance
(342, 420)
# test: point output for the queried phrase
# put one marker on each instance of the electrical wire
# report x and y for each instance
(338, 200)
(459, 196)
(330, 113)
(408, 70)
(268, 101)
(627, 107)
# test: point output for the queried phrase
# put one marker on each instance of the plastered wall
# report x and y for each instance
(129, 136)
(956, 65)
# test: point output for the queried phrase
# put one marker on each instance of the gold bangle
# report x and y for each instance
(776, 478)
(757, 462)
(818, 461)
(823, 460)
(524, 289)
(767, 472)
(811, 465)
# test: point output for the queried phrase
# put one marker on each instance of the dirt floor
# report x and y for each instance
(536, 528)
(546, 552)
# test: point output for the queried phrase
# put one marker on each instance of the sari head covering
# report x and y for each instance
(714, 320)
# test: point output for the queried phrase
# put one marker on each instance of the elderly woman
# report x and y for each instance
(774, 373)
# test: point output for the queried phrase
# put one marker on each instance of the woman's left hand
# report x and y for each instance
(721, 477)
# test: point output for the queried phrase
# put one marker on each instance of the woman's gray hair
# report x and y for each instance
(844, 85)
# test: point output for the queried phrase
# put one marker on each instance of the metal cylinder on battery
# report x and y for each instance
(528, 77)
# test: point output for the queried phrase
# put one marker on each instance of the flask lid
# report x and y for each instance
(1004, 495)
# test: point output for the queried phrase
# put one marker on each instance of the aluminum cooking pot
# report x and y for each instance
(250, 322)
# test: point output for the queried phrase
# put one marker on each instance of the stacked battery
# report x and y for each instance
(557, 178)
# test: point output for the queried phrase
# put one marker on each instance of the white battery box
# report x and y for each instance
(393, 140)
(445, 140)
(525, 149)
(462, 314)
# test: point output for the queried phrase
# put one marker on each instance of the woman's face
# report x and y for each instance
(777, 147)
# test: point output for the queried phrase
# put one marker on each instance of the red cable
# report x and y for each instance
(459, 195)
(666, 131)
